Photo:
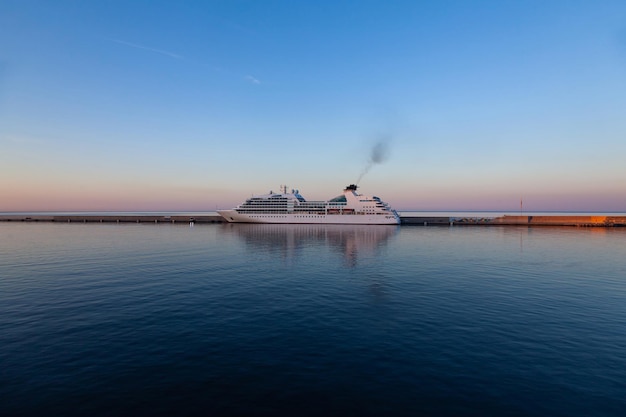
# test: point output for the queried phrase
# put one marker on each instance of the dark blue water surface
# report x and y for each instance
(160, 320)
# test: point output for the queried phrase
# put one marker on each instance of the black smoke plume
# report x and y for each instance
(378, 155)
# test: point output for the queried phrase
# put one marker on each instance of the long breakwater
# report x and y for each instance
(507, 220)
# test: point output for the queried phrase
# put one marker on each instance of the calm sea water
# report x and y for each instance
(109, 320)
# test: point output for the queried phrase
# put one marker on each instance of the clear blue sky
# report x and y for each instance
(165, 105)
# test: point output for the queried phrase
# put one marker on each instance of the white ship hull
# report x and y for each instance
(233, 217)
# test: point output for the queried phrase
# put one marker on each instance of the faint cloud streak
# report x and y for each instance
(252, 80)
(147, 48)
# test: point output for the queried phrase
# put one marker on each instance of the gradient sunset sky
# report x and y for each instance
(196, 105)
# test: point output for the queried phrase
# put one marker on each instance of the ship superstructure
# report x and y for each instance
(290, 207)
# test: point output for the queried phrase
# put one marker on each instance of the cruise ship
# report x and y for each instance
(290, 207)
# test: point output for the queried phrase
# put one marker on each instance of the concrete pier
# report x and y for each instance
(425, 221)
(579, 221)
(112, 218)
(584, 221)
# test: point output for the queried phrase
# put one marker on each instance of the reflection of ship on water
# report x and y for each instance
(289, 240)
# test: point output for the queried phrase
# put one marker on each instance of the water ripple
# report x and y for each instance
(310, 320)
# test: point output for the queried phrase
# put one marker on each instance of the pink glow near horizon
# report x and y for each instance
(133, 199)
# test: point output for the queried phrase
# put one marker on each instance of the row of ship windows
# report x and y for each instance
(301, 217)
(271, 211)
(283, 204)
(274, 215)
(297, 210)
(283, 208)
